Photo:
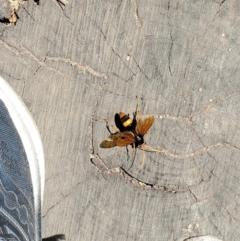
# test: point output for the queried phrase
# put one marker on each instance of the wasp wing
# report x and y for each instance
(119, 139)
(108, 144)
(144, 125)
(125, 138)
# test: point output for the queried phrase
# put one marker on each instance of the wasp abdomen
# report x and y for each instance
(125, 119)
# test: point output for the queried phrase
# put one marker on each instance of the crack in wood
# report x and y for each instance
(140, 69)
(83, 68)
(51, 208)
(139, 25)
(123, 61)
(90, 127)
(137, 19)
(201, 37)
(169, 54)
(105, 170)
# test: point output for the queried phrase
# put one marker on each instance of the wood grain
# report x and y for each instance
(76, 64)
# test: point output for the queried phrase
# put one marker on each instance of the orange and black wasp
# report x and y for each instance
(129, 132)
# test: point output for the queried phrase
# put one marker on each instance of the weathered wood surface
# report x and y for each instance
(89, 59)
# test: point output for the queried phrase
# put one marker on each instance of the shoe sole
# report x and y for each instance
(31, 141)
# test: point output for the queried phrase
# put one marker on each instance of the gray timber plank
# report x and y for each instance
(76, 64)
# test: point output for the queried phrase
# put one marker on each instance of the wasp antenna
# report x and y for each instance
(139, 115)
(137, 103)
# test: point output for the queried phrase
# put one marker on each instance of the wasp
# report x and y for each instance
(129, 132)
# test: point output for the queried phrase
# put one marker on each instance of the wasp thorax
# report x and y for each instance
(138, 139)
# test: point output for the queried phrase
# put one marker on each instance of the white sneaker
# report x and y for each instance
(22, 172)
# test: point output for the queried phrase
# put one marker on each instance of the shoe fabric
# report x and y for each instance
(21, 170)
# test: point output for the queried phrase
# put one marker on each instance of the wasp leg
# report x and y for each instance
(133, 156)
(143, 161)
(127, 153)
(145, 149)
(150, 149)
(108, 123)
